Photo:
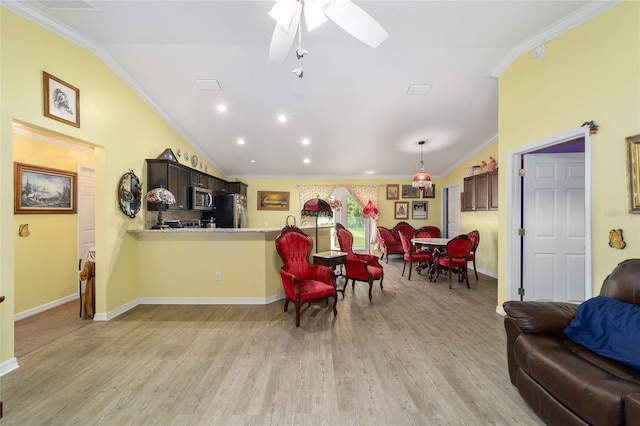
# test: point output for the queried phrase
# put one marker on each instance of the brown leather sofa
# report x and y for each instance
(565, 383)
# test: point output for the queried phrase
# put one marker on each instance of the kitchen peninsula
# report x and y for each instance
(213, 266)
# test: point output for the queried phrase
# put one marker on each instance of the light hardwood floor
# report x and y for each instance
(418, 354)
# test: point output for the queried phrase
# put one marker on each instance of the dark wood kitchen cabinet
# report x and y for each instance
(238, 188)
(199, 179)
(174, 177)
(480, 192)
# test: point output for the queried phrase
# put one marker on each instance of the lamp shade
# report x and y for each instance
(316, 207)
(421, 179)
(370, 211)
(160, 196)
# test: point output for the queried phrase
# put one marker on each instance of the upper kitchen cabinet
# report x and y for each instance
(480, 192)
(174, 177)
(238, 188)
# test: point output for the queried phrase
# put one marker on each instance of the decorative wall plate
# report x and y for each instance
(194, 160)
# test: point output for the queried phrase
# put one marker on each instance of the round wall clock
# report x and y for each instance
(194, 160)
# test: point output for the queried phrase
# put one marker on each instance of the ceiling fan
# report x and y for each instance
(344, 13)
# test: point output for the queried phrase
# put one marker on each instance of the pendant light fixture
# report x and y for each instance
(422, 179)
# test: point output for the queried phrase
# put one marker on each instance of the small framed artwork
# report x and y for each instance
(273, 200)
(633, 173)
(43, 190)
(419, 210)
(429, 191)
(61, 100)
(401, 210)
(393, 192)
(409, 191)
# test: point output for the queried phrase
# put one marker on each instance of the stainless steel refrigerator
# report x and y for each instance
(230, 211)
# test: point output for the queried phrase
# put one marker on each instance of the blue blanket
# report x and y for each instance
(609, 327)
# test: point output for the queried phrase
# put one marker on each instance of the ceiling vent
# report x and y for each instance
(418, 89)
(208, 84)
(66, 4)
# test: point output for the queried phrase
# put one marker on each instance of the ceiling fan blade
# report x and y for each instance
(282, 39)
(356, 22)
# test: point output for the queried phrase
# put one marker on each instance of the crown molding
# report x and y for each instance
(30, 11)
(580, 16)
(491, 139)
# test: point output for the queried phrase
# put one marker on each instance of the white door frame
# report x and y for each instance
(514, 208)
(444, 226)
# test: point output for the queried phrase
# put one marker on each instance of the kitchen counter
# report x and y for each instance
(213, 231)
(213, 266)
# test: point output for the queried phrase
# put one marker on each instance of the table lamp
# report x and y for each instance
(160, 197)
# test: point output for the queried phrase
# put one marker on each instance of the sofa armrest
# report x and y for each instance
(550, 318)
(632, 409)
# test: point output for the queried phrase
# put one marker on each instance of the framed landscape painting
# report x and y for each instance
(393, 192)
(273, 200)
(43, 190)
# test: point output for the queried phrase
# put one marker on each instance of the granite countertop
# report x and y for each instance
(210, 231)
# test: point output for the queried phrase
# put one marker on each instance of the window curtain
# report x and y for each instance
(307, 192)
(363, 194)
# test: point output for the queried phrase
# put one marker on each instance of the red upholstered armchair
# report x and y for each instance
(359, 267)
(456, 258)
(388, 243)
(303, 282)
(413, 255)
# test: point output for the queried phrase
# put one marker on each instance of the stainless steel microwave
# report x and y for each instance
(201, 198)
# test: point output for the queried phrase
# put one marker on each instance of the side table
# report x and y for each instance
(332, 259)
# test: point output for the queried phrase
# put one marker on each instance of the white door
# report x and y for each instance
(86, 209)
(554, 226)
(453, 211)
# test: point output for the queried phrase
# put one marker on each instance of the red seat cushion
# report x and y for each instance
(375, 272)
(312, 289)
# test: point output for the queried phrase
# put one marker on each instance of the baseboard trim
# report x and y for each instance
(186, 301)
(8, 366)
(38, 309)
(209, 300)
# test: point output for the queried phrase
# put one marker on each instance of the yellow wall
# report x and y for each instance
(121, 127)
(53, 237)
(486, 222)
(257, 218)
(589, 73)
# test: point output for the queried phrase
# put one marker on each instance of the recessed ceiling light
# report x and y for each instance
(221, 107)
(305, 141)
(282, 118)
(370, 172)
(240, 141)
(306, 161)
(252, 161)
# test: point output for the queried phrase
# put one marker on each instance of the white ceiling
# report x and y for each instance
(352, 102)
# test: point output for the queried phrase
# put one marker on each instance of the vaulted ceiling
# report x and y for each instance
(352, 103)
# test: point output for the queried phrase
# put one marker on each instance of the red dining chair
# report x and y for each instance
(455, 257)
(359, 267)
(475, 239)
(303, 282)
(413, 255)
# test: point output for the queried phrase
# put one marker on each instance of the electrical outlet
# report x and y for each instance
(218, 276)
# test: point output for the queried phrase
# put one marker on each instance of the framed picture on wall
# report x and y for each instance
(409, 191)
(419, 210)
(43, 190)
(429, 191)
(401, 210)
(273, 200)
(393, 192)
(633, 173)
(61, 100)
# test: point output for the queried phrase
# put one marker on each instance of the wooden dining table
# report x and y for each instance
(437, 245)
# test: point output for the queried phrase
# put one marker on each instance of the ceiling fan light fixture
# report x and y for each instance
(283, 12)
(421, 179)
